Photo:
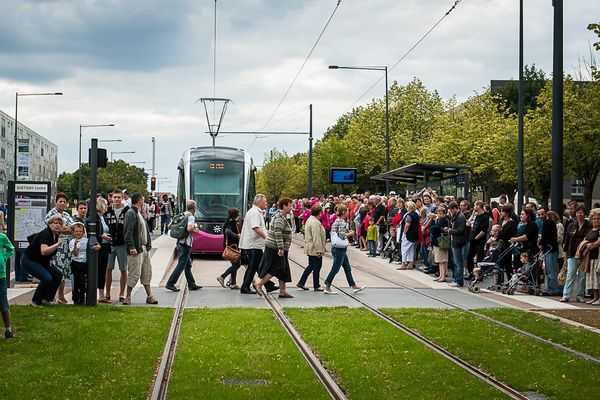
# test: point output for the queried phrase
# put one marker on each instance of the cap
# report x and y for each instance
(125, 191)
(392, 192)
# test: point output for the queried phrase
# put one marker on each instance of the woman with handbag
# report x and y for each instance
(340, 232)
(440, 242)
(314, 247)
(274, 262)
(231, 239)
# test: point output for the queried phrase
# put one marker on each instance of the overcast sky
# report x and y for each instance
(141, 64)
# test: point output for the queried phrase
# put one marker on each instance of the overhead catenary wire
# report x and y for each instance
(456, 2)
(300, 70)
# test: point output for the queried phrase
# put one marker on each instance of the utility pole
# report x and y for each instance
(521, 106)
(92, 256)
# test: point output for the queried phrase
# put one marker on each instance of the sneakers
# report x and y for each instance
(195, 287)
(221, 281)
(150, 300)
(172, 288)
(564, 300)
(329, 291)
(9, 335)
(454, 284)
(359, 289)
(35, 305)
(234, 287)
(126, 301)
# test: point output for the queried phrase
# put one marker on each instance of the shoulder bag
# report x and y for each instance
(337, 241)
(231, 253)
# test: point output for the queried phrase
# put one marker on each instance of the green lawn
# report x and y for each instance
(374, 360)
(525, 364)
(229, 353)
(580, 339)
(64, 352)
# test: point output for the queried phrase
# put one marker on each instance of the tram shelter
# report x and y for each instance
(445, 179)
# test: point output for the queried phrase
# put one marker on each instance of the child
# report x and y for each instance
(372, 233)
(78, 249)
(7, 250)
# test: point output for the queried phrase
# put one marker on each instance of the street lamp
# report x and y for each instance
(120, 152)
(17, 94)
(387, 114)
(80, 129)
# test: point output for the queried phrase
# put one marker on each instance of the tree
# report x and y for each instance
(117, 175)
(273, 179)
(534, 80)
(475, 134)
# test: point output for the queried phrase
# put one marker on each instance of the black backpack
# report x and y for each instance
(179, 226)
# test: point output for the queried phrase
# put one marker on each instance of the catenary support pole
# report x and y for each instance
(310, 153)
(557, 110)
(521, 106)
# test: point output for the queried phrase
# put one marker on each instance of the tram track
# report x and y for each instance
(161, 381)
(487, 318)
(482, 375)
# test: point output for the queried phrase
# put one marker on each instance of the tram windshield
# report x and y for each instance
(216, 186)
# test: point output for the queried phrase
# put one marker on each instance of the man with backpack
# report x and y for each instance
(183, 228)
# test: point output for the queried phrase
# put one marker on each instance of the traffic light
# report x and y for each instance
(153, 183)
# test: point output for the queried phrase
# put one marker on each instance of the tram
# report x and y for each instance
(217, 178)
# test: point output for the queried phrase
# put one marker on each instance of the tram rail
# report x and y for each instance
(530, 335)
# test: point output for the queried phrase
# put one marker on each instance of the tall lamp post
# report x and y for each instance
(17, 94)
(119, 152)
(80, 130)
(387, 114)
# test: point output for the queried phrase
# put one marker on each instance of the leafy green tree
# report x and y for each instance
(274, 178)
(117, 175)
(534, 80)
(475, 134)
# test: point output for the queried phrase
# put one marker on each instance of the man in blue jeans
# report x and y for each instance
(184, 247)
(549, 245)
(458, 233)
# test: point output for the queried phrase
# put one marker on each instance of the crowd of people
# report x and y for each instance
(448, 236)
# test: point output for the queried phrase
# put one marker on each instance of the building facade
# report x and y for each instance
(43, 155)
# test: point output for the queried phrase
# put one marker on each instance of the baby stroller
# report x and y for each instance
(391, 249)
(528, 281)
(490, 265)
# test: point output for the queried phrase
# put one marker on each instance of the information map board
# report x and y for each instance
(342, 176)
(28, 204)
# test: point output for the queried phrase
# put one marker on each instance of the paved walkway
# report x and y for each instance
(382, 289)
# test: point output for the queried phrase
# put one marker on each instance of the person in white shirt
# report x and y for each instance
(252, 240)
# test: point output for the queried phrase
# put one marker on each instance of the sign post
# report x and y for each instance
(28, 204)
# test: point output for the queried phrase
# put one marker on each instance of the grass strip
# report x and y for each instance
(374, 360)
(577, 338)
(64, 352)
(239, 354)
(525, 364)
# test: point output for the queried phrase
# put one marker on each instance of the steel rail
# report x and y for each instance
(326, 379)
(487, 378)
(165, 368)
(483, 316)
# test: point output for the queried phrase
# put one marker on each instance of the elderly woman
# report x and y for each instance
(314, 247)
(592, 277)
(576, 233)
(274, 261)
(36, 260)
(440, 255)
(338, 251)
(409, 228)
(62, 257)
